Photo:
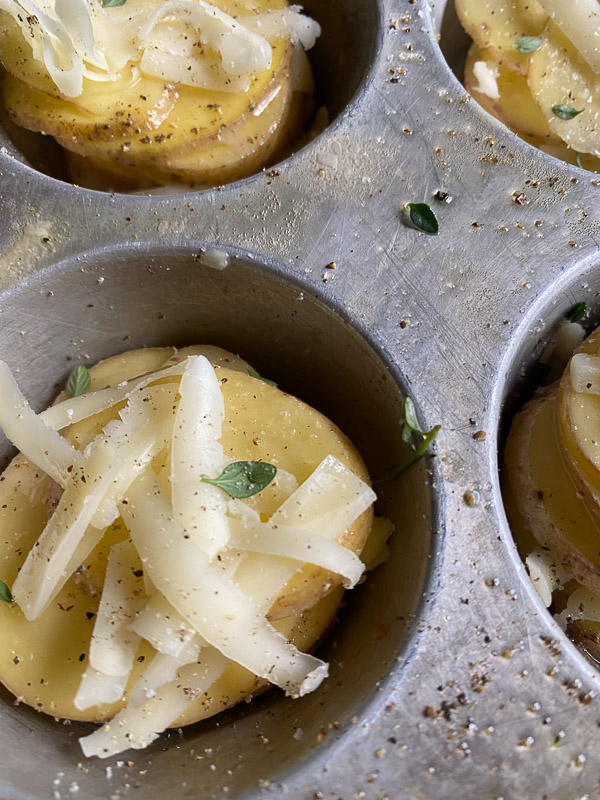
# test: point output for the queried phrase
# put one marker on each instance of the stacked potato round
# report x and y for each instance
(44, 657)
(552, 492)
(138, 130)
(559, 68)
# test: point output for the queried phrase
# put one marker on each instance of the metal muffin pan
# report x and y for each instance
(448, 677)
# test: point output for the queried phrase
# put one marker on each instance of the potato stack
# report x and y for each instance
(552, 493)
(535, 65)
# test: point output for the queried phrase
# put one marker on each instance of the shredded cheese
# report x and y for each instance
(139, 726)
(199, 612)
(298, 544)
(79, 39)
(197, 452)
(114, 645)
(585, 373)
(214, 605)
(486, 73)
(29, 432)
(44, 569)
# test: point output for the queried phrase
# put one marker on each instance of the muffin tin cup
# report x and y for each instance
(447, 675)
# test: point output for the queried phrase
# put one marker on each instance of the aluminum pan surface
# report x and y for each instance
(476, 711)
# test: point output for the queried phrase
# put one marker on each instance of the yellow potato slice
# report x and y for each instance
(496, 27)
(515, 107)
(42, 661)
(539, 488)
(559, 75)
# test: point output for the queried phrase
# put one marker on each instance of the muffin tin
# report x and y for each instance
(448, 677)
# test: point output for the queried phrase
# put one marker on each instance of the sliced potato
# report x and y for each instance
(235, 151)
(559, 75)
(515, 107)
(540, 488)
(496, 27)
(42, 661)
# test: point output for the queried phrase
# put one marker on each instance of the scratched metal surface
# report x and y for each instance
(448, 677)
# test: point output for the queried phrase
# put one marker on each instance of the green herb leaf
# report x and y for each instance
(410, 416)
(5, 593)
(79, 381)
(566, 111)
(423, 218)
(418, 453)
(578, 160)
(528, 44)
(577, 312)
(112, 3)
(258, 377)
(244, 478)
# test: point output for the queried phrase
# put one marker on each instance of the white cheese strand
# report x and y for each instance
(300, 545)
(161, 670)
(545, 573)
(96, 688)
(160, 625)
(114, 645)
(330, 499)
(151, 410)
(582, 604)
(136, 453)
(197, 452)
(139, 726)
(77, 22)
(75, 409)
(31, 435)
(144, 428)
(218, 610)
(241, 51)
(202, 73)
(286, 23)
(585, 373)
(58, 51)
(44, 566)
(486, 73)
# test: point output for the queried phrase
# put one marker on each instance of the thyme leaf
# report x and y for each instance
(528, 44)
(258, 377)
(5, 593)
(79, 381)
(422, 218)
(244, 478)
(577, 312)
(413, 435)
(566, 111)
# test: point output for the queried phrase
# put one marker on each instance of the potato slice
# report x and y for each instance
(42, 662)
(515, 107)
(542, 492)
(559, 75)
(496, 27)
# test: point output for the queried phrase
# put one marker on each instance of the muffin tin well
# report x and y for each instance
(341, 58)
(448, 678)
